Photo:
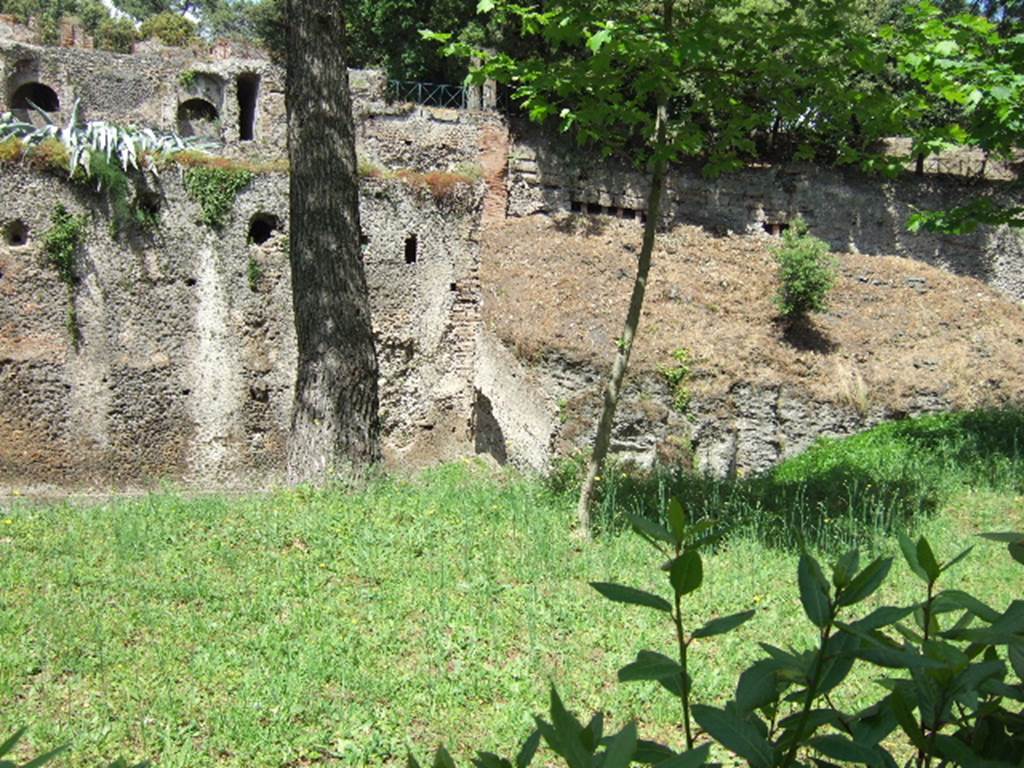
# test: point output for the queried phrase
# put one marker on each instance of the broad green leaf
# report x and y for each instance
(8, 745)
(598, 39)
(910, 554)
(692, 759)
(866, 582)
(813, 591)
(619, 753)
(568, 730)
(892, 658)
(958, 558)
(442, 759)
(723, 624)
(905, 717)
(758, 685)
(649, 665)
(967, 602)
(926, 558)
(686, 572)
(592, 734)
(1017, 552)
(628, 595)
(485, 6)
(676, 520)
(528, 750)
(881, 617)
(411, 761)
(840, 747)
(649, 529)
(1016, 656)
(845, 568)
(651, 752)
(735, 734)
(490, 760)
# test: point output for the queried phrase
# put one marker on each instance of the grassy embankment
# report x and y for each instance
(300, 627)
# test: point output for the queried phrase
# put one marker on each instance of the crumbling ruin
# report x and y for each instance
(185, 365)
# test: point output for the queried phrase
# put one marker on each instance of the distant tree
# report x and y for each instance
(976, 65)
(335, 424)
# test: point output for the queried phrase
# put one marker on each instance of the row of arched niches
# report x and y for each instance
(201, 104)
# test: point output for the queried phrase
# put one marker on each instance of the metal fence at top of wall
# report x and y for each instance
(429, 94)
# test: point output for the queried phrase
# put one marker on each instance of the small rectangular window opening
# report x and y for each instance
(628, 213)
(577, 206)
(248, 88)
(411, 247)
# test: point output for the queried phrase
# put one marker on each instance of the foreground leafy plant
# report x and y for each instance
(950, 699)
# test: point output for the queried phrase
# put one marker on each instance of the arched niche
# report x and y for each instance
(28, 96)
(198, 117)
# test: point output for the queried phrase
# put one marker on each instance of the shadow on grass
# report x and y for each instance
(841, 492)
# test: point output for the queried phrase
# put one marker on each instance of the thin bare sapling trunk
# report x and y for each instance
(613, 389)
(335, 425)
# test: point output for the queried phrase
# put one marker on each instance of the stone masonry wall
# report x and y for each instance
(851, 211)
(184, 370)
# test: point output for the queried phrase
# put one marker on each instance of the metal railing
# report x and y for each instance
(429, 94)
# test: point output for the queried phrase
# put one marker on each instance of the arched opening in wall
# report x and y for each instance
(16, 233)
(411, 249)
(262, 226)
(35, 94)
(248, 86)
(198, 117)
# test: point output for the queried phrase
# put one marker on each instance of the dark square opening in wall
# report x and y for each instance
(262, 226)
(628, 213)
(577, 206)
(594, 208)
(248, 86)
(16, 233)
(775, 228)
(411, 249)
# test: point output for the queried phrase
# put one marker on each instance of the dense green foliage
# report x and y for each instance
(169, 28)
(840, 493)
(215, 188)
(61, 243)
(959, 661)
(422, 611)
(807, 272)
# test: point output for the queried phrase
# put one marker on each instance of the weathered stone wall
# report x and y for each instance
(851, 211)
(151, 88)
(185, 370)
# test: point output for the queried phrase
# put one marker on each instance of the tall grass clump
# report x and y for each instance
(840, 492)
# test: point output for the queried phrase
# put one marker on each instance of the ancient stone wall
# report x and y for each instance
(851, 211)
(185, 365)
(186, 361)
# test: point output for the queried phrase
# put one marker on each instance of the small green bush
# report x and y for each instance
(116, 35)
(169, 28)
(807, 272)
(215, 190)
(60, 244)
(678, 377)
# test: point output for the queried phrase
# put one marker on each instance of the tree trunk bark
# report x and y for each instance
(335, 427)
(613, 390)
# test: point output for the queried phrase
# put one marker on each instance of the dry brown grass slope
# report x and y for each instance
(896, 329)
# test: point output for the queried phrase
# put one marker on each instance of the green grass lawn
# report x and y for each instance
(343, 628)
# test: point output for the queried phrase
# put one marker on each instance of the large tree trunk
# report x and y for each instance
(335, 424)
(613, 390)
